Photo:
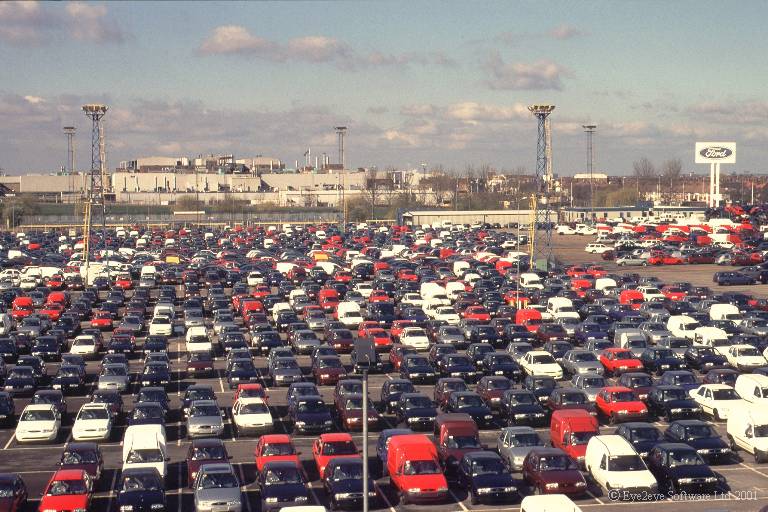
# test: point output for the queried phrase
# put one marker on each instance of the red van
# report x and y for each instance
(414, 469)
(529, 317)
(571, 429)
(631, 297)
(22, 307)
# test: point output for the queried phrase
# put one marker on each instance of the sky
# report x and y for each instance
(436, 83)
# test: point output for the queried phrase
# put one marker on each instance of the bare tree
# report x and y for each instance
(644, 168)
(371, 188)
(671, 170)
(389, 184)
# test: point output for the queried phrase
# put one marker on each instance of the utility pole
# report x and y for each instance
(589, 129)
(341, 132)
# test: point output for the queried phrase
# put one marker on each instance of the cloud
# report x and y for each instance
(238, 40)
(89, 22)
(33, 23)
(565, 31)
(540, 75)
(234, 39)
(377, 110)
(730, 113)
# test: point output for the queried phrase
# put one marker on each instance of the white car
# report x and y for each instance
(161, 326)
(744, 357)
(447, 314)
(93, 423)
(85, 346)
(541, 364)
(414, 337)
(255, 278)
(40, 422)
(717, 400)
(595, 248)
(565, 229)
(412, 299)
(365, 289)
(252, 416)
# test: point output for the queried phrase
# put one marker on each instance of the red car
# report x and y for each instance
(618, 404)
(674, 293)
(52, 311)
(67, 490)
(477, 313)
(102, 320)
(329, 446)
(378, 296)
(619, 360)
(397, 327)
(328, 370)
(55, 282)
(251, 391)
(275, 447)
(382, 341)
(124, 282)
(397, 353)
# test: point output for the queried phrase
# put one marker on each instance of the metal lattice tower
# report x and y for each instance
(341, 132)
(540, 235)
(589, 129)
(69, 131)
(95, 191)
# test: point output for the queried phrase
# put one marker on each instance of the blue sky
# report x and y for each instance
(444, 83)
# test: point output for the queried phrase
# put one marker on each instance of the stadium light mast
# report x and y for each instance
(540, 199)
(589, 129)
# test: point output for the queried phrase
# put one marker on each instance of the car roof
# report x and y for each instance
(69, 474)
(335, 436)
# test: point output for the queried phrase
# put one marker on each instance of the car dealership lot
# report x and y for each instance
(747, 481)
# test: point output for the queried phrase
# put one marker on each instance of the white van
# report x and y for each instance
(531, 281)
(453, 289)
(144, 447)
(753, 387)
(615, 465)
(547, 503)
(348, 313)
(605, 284)
(148, 271)
(712, 337)
(748, 430)
(561, 307)
(725, 312)
(198, 339)
(683, 326)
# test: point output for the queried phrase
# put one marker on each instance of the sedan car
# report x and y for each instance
(552, 471)
(38, 422)
(485, 478)
(217, 489)
(515, 443)
(68, 489)
(204, 419)
(140, 490)
(92, 423)
(281, 483)
(680, 468)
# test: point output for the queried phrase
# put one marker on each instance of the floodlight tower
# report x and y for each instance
(589, 129)
(69, 131)
(95, 193)
(540, 199)
(341, 131)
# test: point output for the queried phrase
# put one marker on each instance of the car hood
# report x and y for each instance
(284, 490)
(679, 404)
(26, 426)
(569, 476)
(708, 442)
(205, 420)
(525, 409)
(421, 412)
(691, 471)
(67, 502)
(502, 480)
(313, 417)
(225, 494)
(140, 499)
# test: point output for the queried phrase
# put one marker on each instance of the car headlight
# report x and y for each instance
(685, 480)
(489, 416)
(711, 479)
(439, 489)
(79, 510)
(484, 490)
(344, 495)
(328, 422)
(300, 498)
(157, 506)
(300, 423)
(581, 484)
(234, 503)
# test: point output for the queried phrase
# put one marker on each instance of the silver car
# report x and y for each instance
(450, 334)
(514, 444)
(589, 383)
(579, 361)
(654, 331)
(193, 318)
(223, 320)
(114, 376)
(675, 344)
(304, 341)
(630, 259)
(204, 419)
(217, 489)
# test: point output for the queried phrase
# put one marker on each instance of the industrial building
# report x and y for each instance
(503, 217)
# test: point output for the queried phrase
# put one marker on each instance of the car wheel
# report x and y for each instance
(403, 498)
(612, 419)
(645, 263)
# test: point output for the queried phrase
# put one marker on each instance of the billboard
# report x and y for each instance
(715, 153)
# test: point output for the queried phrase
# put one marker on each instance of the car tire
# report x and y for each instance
(612, 419)
(645, 263)
(402, 498)
(760, 457)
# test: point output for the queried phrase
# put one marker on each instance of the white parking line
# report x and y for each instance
(112, 490)
(181, 489)
(13, 436)
(459, 502)
(753, 469)
(384, 497)
(601, 502)
(244, 487)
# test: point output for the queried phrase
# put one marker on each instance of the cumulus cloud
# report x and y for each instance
(238, 40)
(565, 31)
(32, 22)
(540, 75)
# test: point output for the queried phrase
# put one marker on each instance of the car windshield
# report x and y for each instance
(623, 355)
(574, 399)
(37, 416)
(70, 458)
(469, 401)
(748, 351)
(139, 482)
(645, 434)
(418, 401)
(524, 440)
(93, 414)
(725, 394)
(522, 399)
(544, 383)
(455, 442)
(623, 396)
(499, 384)
(594, 382)
(286, 364)
(280, 476)
(273, 449)
(311, 406)
(685, 458)
(761, 430)
(203, 410)
(254, 408)
(674, 394)
(355, 404)
(699, 432)
(339, 448)
(543, 359)
(151, 412)
(488, 467)
(578, 438)
(584, 357)
(115, 371)
(330, 363)
(208, 453)
(67, 487)
(218, 481)
(626, 463)
(201, 394)
(421, 467)
(556, 463)
(347, 472)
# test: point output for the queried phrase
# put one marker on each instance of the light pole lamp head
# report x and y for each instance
(541, 109)
(340, 128)
(69, 129)
(95, 108)
(589, 127)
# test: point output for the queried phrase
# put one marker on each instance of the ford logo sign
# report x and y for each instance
(715, 152)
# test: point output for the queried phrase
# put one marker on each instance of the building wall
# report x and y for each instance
(312, 181)
(468, 217)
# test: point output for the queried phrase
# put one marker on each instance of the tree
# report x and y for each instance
(671, 170)
(644, 168)
(371, 187)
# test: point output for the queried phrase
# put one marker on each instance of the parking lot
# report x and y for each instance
(747, 482)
